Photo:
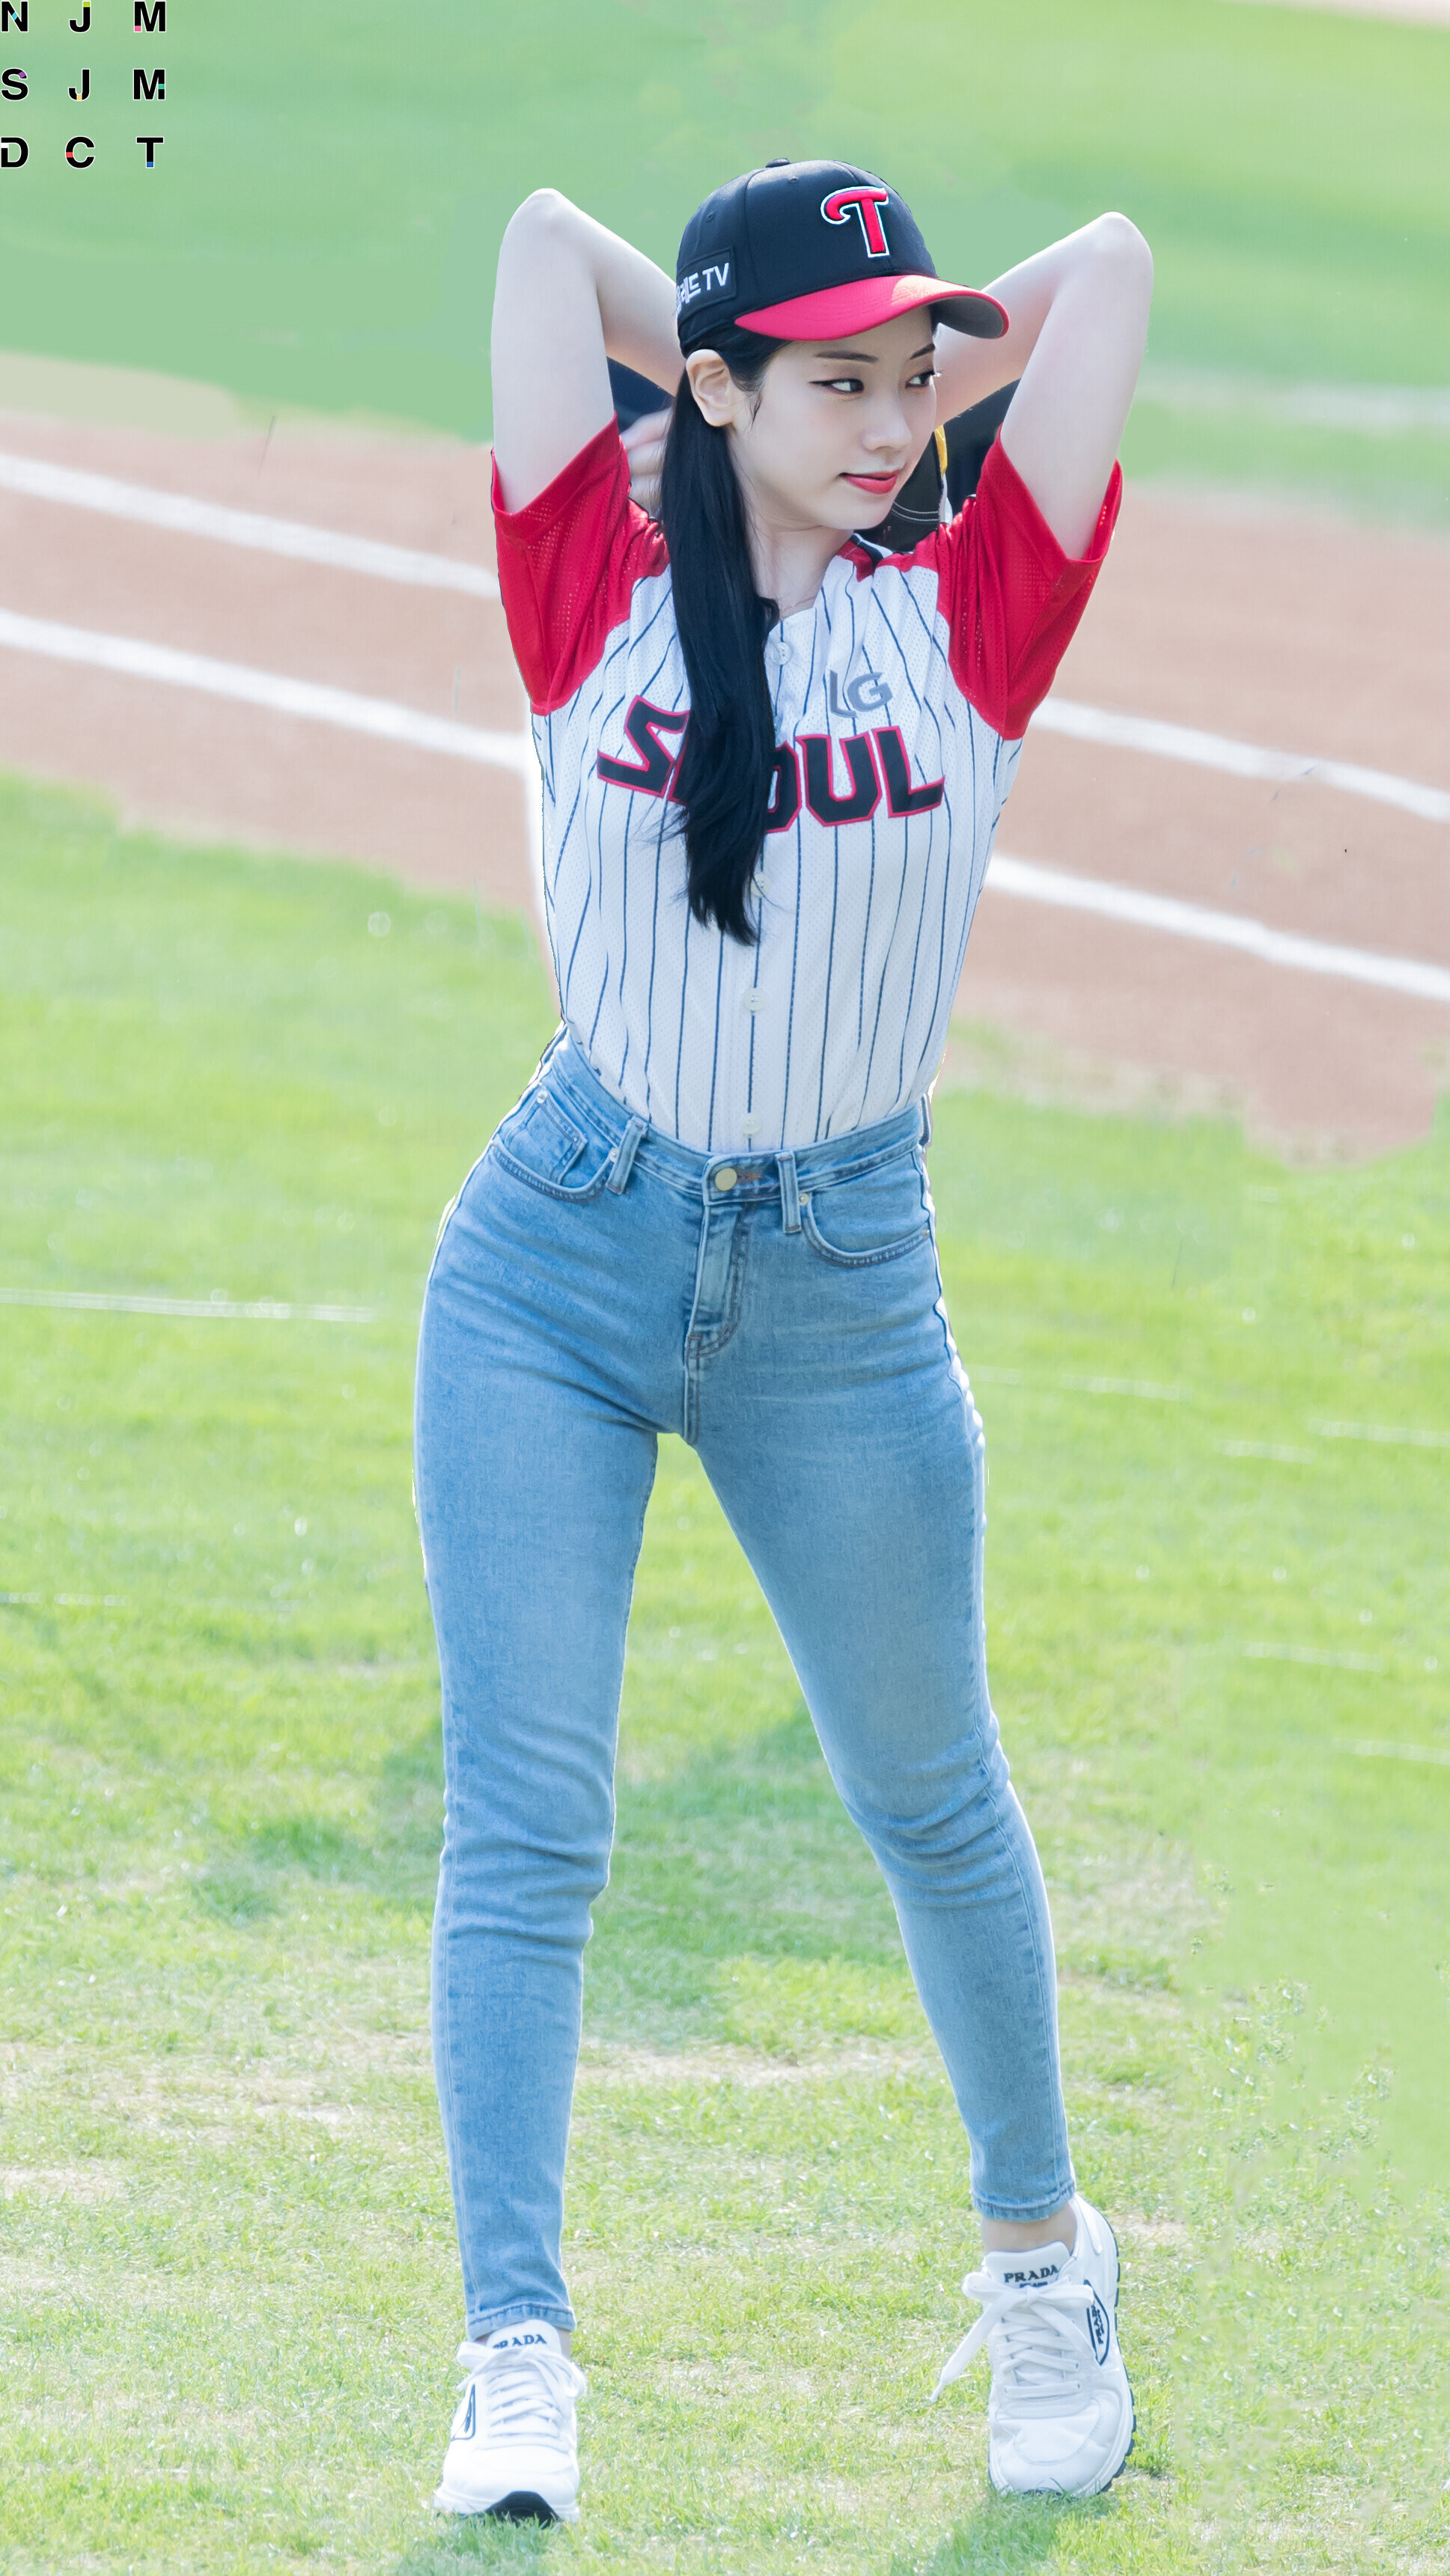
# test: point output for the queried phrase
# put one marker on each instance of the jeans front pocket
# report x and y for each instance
(875, 1215)
(537, 1143)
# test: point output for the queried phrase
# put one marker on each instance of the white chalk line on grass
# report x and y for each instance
(1386, 1431)
(1032, 883)
(1103, 725)
(64, 1600)
(266, 1310)
(1266, 1449)
(1437, 1753)
(37, 480)
(1349, 1663)
(313, 700)
(1149, 1391)
(1146, 1389)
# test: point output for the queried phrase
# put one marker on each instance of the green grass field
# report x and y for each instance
(322, 224)
(230, 2292)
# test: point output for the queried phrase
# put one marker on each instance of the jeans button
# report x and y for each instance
(726, 1177)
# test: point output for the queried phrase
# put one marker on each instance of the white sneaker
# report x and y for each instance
(1060, 2416)
(514, 2448)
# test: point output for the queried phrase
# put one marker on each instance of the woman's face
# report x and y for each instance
(835, 426)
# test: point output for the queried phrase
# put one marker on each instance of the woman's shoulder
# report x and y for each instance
(569, 563)
(1009, 597)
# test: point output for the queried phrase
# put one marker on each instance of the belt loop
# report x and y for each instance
(926, 1118)
(622, 1159)
(790, 1193)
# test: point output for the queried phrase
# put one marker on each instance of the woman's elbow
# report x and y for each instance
(1118, 243)
(544, 212)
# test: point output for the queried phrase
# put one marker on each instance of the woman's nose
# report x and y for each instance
(889, 432)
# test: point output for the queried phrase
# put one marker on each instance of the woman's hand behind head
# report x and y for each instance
(644, 445)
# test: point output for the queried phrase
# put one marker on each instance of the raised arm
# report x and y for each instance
(569, 296)
(1078, 319)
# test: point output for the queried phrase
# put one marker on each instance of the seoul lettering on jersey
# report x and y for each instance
(900, 698)
(652, 774)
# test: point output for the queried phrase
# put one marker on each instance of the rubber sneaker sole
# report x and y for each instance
(1106, 2480)
(521, 2506)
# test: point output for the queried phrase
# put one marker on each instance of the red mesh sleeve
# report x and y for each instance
(567, 564)
(1010, 595)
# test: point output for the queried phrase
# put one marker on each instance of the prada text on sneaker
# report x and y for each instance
(1060, 2415)
(514, 2449)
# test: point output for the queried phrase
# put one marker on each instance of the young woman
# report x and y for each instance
(773, 762)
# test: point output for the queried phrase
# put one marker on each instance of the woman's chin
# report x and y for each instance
(845, 508)
(868, 509)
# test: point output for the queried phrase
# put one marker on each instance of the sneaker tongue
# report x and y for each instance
(1029, 2269)
(531, 2336)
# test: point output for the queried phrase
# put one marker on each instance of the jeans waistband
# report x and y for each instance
(773, 1173)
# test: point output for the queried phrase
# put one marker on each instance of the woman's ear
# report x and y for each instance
(717, 395)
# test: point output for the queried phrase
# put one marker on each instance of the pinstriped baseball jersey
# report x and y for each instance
(900, 697)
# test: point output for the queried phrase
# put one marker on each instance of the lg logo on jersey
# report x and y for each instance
(866, 690)
(876, 762)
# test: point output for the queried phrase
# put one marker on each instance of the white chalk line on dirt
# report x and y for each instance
(1027, 881)
(385, 721)
(37, 479)
(133, 659)
(266, 1310)
(181, 515)
(1103, 725)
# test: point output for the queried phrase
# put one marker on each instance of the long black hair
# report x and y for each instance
(725, 772)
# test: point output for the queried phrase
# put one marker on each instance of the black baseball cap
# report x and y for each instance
(811, 250)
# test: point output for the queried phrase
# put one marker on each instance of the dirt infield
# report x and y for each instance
(1294, 631)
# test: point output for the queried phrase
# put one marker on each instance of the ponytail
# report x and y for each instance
(726, 768)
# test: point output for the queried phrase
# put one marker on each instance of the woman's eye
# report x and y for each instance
(927, 377)
(840, 384)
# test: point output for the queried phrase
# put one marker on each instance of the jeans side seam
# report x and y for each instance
(1046, 1988)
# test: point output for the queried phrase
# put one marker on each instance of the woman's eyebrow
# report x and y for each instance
(864, 358)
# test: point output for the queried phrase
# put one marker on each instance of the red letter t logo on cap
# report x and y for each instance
(867, 204)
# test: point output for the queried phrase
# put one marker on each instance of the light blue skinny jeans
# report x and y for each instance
(595, 1285)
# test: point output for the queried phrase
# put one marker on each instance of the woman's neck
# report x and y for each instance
(789, 562)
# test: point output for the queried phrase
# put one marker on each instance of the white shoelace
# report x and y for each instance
(1036, 2338)
(528, 2394)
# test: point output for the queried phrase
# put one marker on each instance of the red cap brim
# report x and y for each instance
(869, 301)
